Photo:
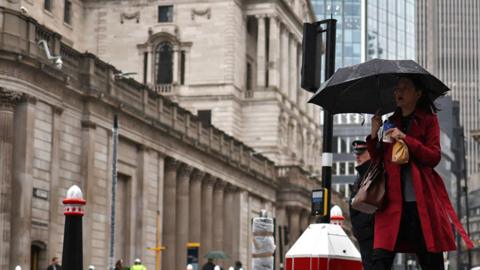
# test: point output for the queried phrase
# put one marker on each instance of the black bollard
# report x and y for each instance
(72, 256)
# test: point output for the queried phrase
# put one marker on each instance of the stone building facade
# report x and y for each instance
(203, 183)
(235, 61)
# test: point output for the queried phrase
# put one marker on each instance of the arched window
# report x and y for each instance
(164, 63)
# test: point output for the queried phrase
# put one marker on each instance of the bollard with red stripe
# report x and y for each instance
(72, 256)
(323, 247)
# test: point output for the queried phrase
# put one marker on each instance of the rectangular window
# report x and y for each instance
(351, 168)
(205, 117)
(342, 168)
(67, 12)
(335, 144)
(334, 168)
(165, 13)
(145, 67)
(249, 76)
(182, 68)
(47, 5)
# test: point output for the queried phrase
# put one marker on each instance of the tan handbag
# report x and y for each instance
(371, 192)
(400, 152)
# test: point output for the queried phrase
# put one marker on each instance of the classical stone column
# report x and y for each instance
(160, 200)
(22, 184)
(169, 213)
(175, 70)
(285, 61)
(8, 100)
(218, 206)
(293, 68)
(274, 53)
(182, 215)
(56, 220)
(261, 47)
(301, 94)
(294, 223)
(195, 220)
(207, 214)
(229, 214)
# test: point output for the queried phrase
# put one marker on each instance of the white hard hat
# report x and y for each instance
(189, 267)
(216, 267)
(91, 267)
(137, 260)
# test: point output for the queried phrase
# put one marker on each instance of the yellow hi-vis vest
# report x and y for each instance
(138, 267)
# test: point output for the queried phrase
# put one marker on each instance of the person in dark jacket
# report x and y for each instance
(55, 264)
(362, 224)
(209, 265)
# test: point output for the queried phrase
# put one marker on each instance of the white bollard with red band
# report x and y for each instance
(323, 247)
(336, 216)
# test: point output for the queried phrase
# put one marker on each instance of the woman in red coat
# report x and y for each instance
(417, 213)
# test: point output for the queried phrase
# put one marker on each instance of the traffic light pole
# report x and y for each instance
(327, 156)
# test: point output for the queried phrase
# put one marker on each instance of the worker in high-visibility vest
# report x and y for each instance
(138, 265)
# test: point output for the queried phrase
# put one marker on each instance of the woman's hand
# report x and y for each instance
(396, 134)
(376, 124)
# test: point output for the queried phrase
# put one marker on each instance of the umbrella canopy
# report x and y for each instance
(216, 254)
(368, 87)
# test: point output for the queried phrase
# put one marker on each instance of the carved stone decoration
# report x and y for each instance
(8, 99)
(185, 171)
(206, 12)
(130, 16)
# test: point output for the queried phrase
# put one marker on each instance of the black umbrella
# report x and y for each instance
(216, 254)
(368, 87)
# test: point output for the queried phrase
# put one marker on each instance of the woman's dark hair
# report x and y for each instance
(426, 101)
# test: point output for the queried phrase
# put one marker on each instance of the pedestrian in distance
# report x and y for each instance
(238, 265)
(209, 265)
(417, 211)
(137, 265)
(55, 265)
(362, 224)
(119, 265)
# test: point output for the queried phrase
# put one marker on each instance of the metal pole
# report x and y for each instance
(157, 254)
(111, 258)
(327, 156)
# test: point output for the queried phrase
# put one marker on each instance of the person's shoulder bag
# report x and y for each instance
(371, 192)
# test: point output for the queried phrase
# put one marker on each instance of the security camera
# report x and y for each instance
(57, 60)
(59, 63)
(24, 10)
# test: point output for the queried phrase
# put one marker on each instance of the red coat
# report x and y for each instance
(434, 207)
